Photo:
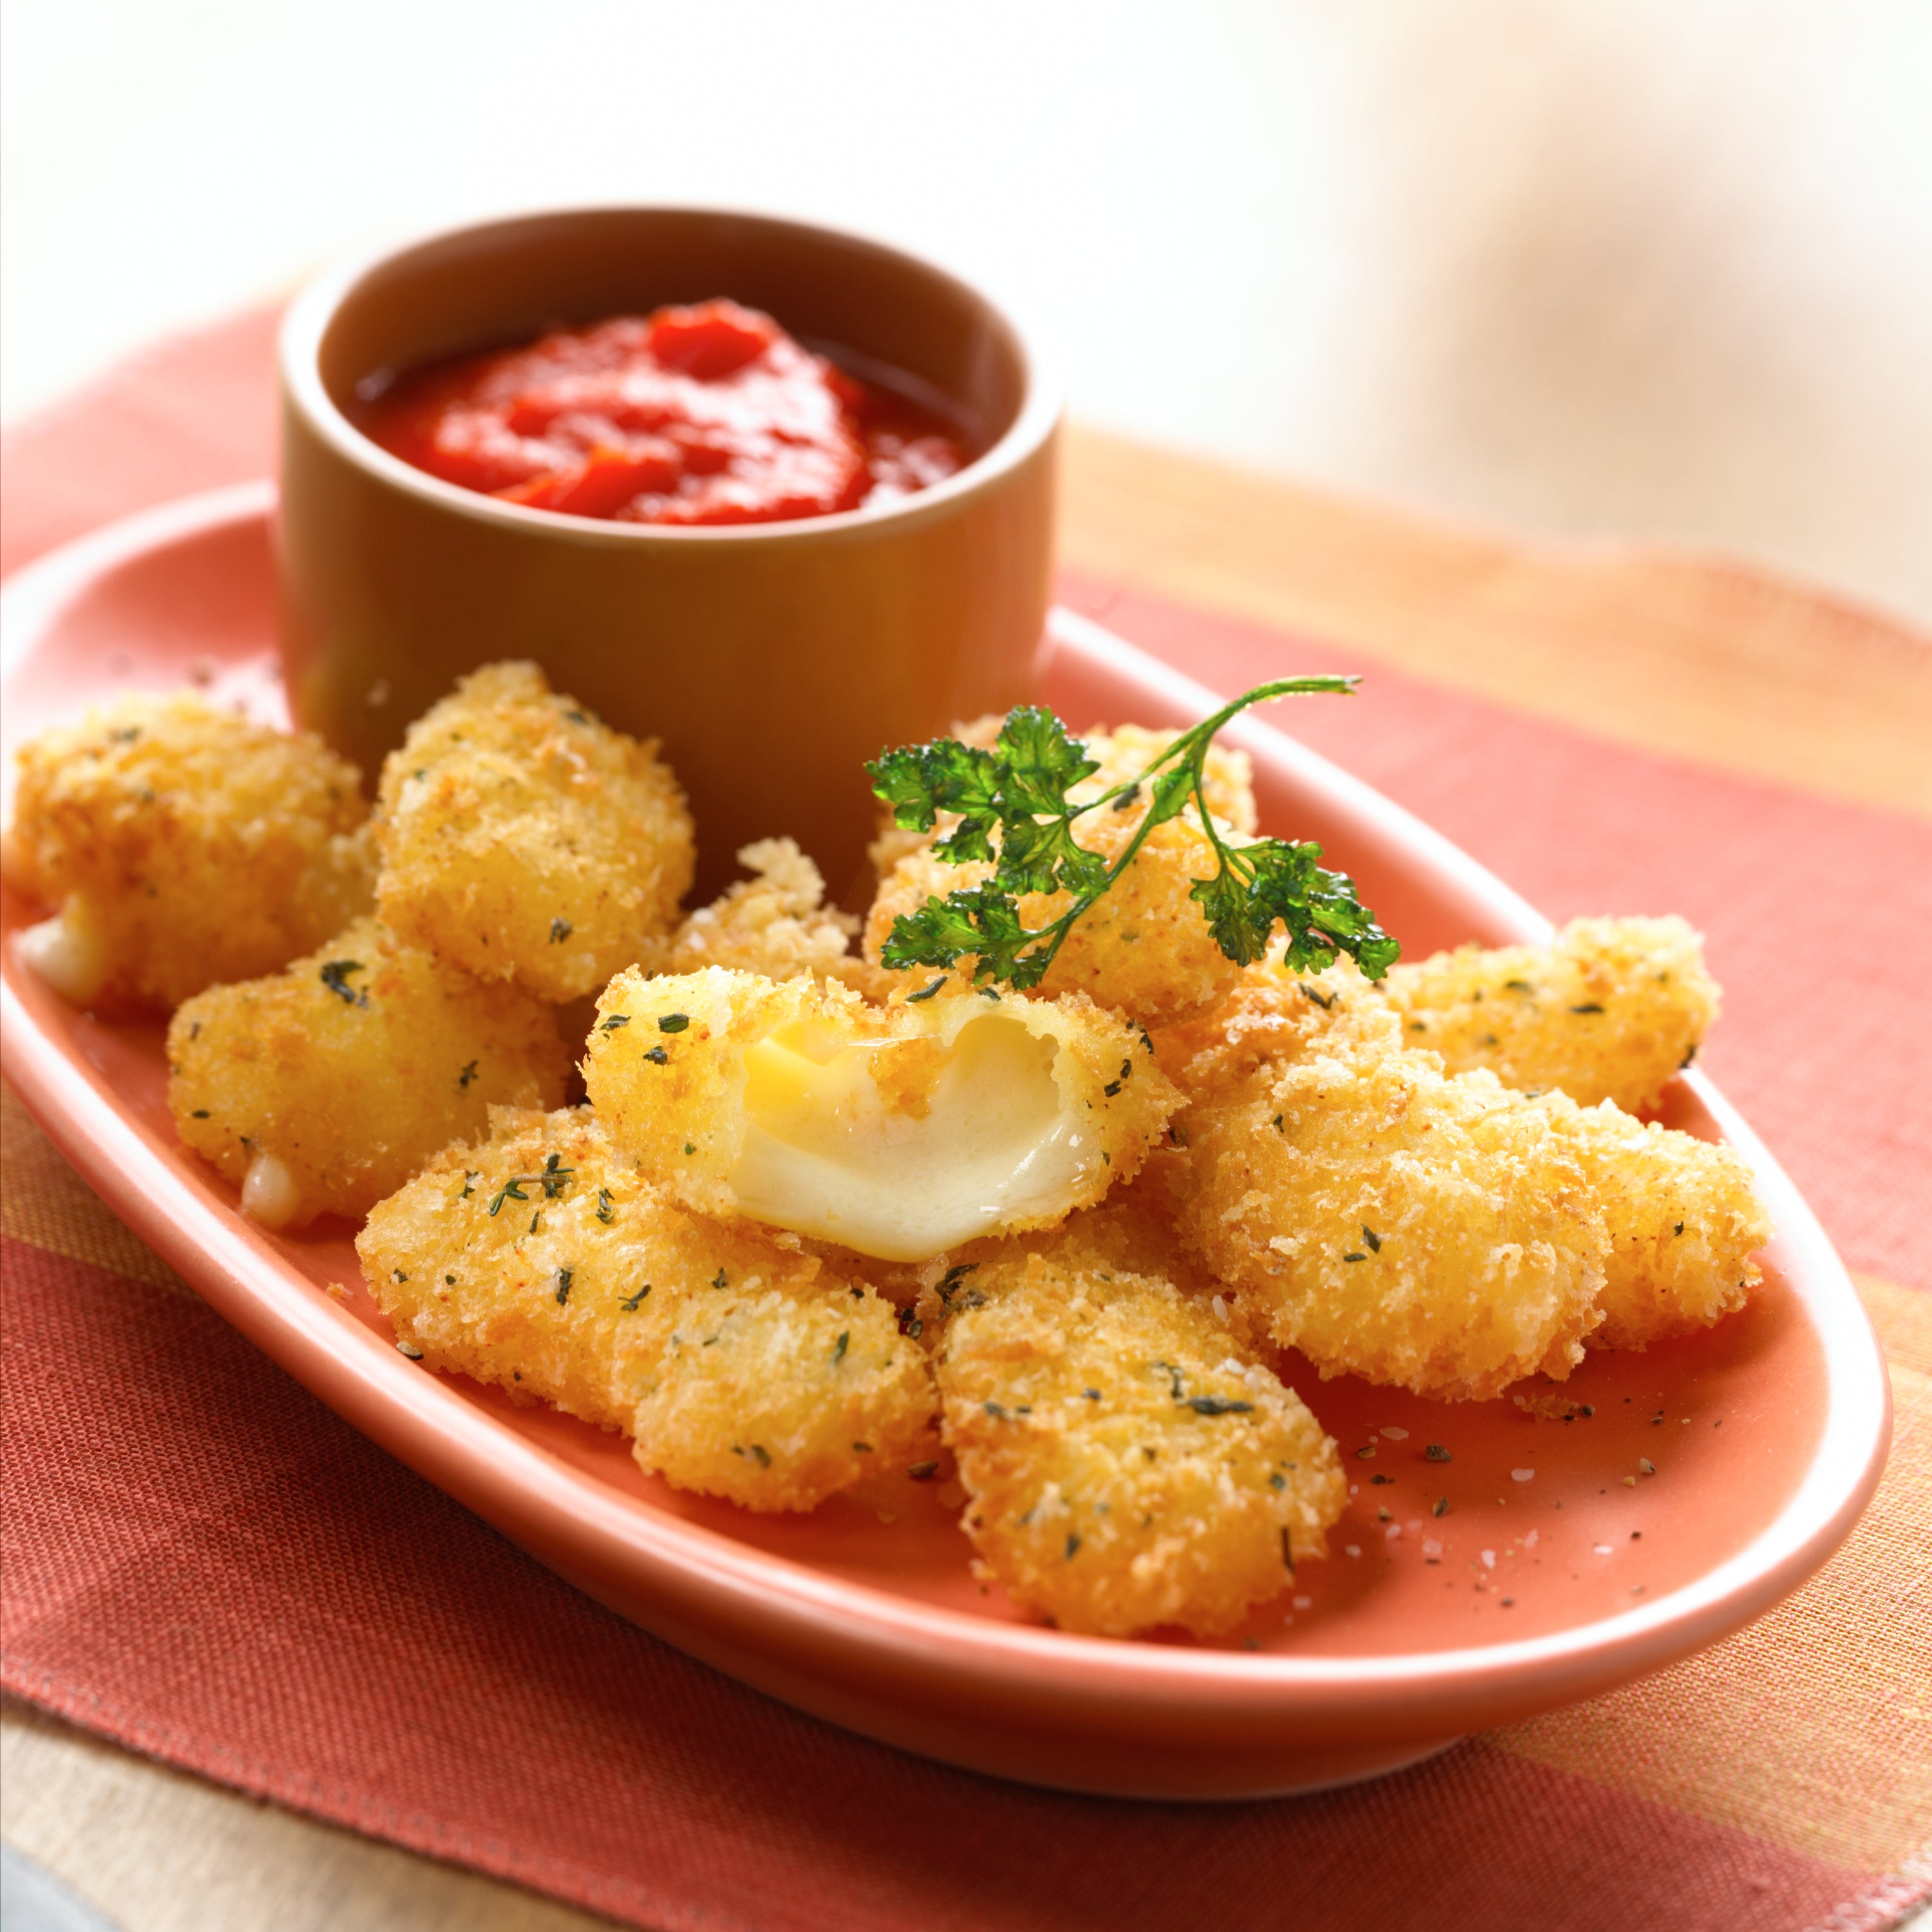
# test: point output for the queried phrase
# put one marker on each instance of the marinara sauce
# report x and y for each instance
(707, 414)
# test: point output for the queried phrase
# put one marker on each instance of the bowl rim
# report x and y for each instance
(855, 1630)
(323, 297)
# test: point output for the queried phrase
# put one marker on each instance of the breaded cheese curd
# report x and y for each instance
(1121, 754)
(1274, 1015)
(1127, 1466)
(775, 923)
(183, 846)
(1123, 751)
(522, 839)
(322, 1088)
(1390, 1220)
(1144, 949)
(900, 1131)
(1132, 1231)
(1609, 1010)
(743, 1367)
(1683, 1220)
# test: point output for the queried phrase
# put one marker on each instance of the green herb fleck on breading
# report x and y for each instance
(335, 976)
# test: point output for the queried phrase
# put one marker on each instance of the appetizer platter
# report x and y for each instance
(902, 1492)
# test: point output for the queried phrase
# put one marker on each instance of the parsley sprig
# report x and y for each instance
(1014, 813)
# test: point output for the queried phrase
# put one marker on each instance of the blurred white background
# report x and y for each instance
(1594, 269)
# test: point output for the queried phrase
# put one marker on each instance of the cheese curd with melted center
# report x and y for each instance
(899, 1131)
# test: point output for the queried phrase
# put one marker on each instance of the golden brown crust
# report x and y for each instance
(521, 839)
(666, 1069)
(192, 846)
(1128, 1465)
(742, 1365)
(1683, 1222)
(776, 924)
(1144, 950)
(1387, 1219)
(1609, 1010)
(354, 1066)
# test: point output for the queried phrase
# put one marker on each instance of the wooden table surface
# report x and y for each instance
(1692, 657)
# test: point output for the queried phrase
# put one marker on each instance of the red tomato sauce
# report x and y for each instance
(706, 415)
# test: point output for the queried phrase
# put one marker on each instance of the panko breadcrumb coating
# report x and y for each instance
(1125, 751)
(1609, 1010)
(1389, 1220)
(899, 1131)
(1122, 754)
(521, 839)
(320, 1089)
(743, 1366)
(1128, 1467)
(1144, 950)
(183, 846)
(775, 923)
(1683, 1221)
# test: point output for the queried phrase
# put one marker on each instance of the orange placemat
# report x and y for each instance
(203, 1563)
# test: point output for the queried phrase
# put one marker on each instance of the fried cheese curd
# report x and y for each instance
(1128, 1464)
(775, 923)
(1608, 1010)
(323, 1087)
(1386, 1218)
(1683, 1222)
(183, 846)
(1144, 949)
(899, 1131)
(741, 1365)
(522, 839)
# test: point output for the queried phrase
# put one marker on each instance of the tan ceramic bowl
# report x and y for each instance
(770, 658)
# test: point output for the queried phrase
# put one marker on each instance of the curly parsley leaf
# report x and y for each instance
(1279, 883)
(1014, 814)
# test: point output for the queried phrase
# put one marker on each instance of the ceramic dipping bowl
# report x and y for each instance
(771, 659)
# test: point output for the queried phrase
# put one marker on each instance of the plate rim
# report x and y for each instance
(696, 1570)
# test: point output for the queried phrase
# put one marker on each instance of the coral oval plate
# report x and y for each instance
(1767, 1434)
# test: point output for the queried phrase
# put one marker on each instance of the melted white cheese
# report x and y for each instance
(269, 1194)
(826, 1154)
(66, 954)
